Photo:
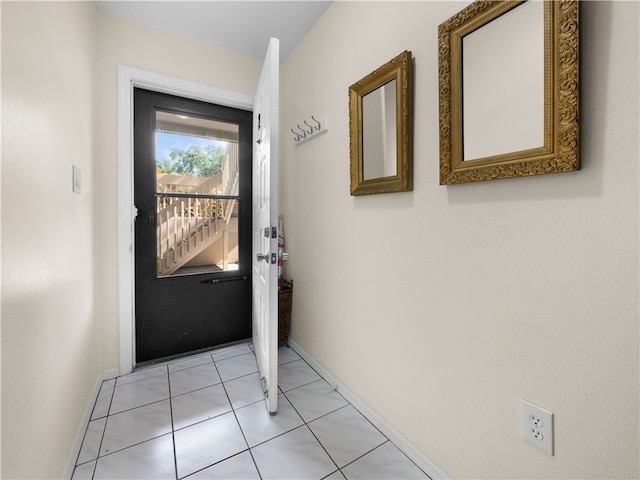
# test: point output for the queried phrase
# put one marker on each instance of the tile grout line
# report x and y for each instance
(134, 444)
(173, 432)
(366, 453)
(233, 409)
(104, 430)
(139, 406)
(335, 389)
(339, 469)
(84, 438)
(175, 455)
(306, 424)
(238, 422)
(167, 373)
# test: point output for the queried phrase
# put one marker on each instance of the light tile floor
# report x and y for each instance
(204, 417)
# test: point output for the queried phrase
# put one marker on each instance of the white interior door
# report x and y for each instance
(266, 118)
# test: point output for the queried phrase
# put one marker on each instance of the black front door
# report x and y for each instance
(192, 191)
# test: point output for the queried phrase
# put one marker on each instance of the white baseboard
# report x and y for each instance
(75, 450)
(399, 440)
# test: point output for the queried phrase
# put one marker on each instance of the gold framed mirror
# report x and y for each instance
(509, 90)
(381, 129)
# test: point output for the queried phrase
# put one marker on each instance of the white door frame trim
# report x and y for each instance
(128, 78)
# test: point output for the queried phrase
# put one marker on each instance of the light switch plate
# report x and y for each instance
(77, 179)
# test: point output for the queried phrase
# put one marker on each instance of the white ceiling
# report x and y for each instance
(243, 26)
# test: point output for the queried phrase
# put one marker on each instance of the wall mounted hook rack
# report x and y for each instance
(309, 129)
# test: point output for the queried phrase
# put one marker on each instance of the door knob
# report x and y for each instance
(264, 257)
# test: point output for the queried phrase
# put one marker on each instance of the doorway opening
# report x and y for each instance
(192, 242)
(130, 78)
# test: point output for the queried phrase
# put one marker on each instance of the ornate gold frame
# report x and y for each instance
(399, 69)
(560, 152)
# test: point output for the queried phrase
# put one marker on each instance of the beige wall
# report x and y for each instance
(482, 295)
(126, 43)
(445, 306)
(60, 303)
(50, 344)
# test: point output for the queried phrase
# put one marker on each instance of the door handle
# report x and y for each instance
(264, 257)
(142, 214)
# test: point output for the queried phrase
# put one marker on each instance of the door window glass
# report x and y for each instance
(197, 195)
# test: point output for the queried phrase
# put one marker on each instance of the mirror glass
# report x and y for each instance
(503, 83)
(379, 144)
(381, 129)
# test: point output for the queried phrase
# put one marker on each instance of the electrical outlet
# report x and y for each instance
(537, 427)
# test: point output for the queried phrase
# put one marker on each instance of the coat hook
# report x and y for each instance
(310, 127)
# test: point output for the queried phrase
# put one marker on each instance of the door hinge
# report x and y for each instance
(265, 390)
